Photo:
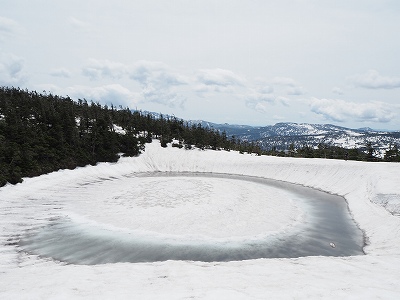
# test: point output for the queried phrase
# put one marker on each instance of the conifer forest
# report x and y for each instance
(42, 132)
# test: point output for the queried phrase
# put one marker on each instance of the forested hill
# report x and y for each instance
(41, 133)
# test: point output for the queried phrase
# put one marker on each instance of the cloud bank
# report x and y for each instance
(96, 69)
(61, 72)
(159, 83)
(373, 80)
(341, 111)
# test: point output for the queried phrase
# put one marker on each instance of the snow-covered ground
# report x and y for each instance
(103, 196)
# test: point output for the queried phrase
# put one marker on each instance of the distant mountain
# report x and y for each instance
(281, 135)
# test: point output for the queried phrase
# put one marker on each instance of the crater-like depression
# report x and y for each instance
(147, 217)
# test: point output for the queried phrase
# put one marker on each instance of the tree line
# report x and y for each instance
(367, 153)
(42, 132)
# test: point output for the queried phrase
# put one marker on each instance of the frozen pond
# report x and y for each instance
(325, 227)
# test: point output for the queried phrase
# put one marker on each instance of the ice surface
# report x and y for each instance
(195, 216)
(38, 201)
(196, 207)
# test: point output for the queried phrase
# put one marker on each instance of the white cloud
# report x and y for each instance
(262, 96)
(296, 91)
(265, 89)
(373, 80)
(337, 90)
(262, 102)
(210, 81)
(107, 94)
(219, 78)
(11, 70)
(341, 111)
(167, 97)
(293, 87)
(150, 71)
(258, 105)
(62, 72)
(283, 100)
(95, 69)
(255, 97)
(159, 83)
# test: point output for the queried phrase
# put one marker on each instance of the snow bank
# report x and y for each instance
(371, 276)
(359, 182)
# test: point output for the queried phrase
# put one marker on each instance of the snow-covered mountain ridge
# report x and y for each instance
(281, 135)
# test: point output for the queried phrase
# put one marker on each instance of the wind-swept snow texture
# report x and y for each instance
(372, 191)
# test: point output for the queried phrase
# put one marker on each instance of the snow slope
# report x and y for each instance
(371, 190)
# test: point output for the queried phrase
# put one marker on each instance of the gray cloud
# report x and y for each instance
(262, 96)
(11, 70)
(96, 69)
(337, 90)
(260, 106)
(293, 87)
(150, 71)
(62, 72)
(159, 83)
(373, 80)
(219, 78)
(112, 93)
(296, 91)
(341, 111)
(261, 100)
(210, 81)
(265, 89)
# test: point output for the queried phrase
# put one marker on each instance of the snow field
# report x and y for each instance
(31, 204)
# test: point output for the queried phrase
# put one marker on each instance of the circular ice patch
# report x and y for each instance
(202, 206)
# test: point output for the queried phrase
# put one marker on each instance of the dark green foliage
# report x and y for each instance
(393, 154)
(41, 133)
(370, 153)
(329, 152)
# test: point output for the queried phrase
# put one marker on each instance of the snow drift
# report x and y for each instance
(370, 189)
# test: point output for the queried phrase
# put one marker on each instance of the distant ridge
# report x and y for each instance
(281, 135)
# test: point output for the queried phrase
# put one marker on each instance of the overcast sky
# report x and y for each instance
(254, 62)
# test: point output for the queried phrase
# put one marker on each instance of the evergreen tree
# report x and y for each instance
(392, 154)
